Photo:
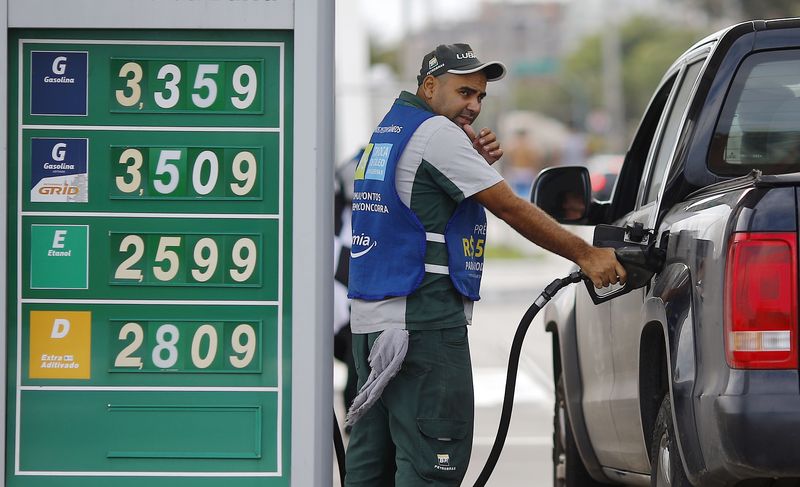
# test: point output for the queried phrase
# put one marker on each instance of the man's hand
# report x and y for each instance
(602, 267)
(485, 143)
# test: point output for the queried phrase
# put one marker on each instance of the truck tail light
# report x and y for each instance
(761, 301)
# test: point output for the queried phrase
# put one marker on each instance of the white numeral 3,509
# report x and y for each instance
(205, 172)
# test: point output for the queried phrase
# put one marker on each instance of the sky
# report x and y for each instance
(388, 20)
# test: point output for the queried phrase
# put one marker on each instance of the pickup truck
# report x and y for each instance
(692, 377)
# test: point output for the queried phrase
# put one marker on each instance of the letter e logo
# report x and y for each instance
(60, 65)
(58, 239)
(60, 328)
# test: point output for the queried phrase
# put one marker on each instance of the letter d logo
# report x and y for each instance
(60, 328)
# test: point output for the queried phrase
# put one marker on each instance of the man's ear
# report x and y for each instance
(428, 87)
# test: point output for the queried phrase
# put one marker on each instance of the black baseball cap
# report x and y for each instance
(458, 59)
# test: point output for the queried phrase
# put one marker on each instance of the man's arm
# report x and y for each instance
(599, 264)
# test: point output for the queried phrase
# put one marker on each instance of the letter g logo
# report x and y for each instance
(59, 65)
(59, 150)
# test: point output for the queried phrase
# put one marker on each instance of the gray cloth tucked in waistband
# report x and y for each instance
(385, 360)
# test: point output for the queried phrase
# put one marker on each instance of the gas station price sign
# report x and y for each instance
(151, 250)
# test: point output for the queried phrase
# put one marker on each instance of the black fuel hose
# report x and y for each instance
(511, 382)
(513, 367)
(338, 446)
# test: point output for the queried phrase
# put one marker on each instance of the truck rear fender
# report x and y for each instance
(667, 361)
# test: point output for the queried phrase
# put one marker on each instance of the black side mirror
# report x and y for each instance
(564, 192)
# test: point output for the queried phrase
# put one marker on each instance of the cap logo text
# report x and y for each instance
(466, 55)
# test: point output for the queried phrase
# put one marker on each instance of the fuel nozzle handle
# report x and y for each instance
(641, 262)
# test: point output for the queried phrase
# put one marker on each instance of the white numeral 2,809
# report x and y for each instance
(165, 354)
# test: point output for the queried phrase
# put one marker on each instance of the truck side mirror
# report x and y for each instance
(565, 193)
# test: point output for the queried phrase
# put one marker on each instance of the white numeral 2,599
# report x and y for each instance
(205, 254)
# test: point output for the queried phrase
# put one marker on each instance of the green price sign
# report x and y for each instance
(150, 318)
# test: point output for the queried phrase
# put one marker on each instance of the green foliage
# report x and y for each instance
(385, 55)
(645, 64)
(545, 96)
(753, 9)
(502, 252)
(774, 9)
(647, 46)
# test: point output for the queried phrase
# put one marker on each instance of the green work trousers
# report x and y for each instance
(420, 431)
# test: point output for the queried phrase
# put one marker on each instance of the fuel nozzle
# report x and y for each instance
(641, 262)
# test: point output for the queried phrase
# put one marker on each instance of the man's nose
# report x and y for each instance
(474, 105)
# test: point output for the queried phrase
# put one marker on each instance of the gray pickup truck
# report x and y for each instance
(692, 378)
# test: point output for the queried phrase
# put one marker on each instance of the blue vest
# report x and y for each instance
(387, 256)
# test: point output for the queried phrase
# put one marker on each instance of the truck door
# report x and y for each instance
(594, 330)
(626, 311)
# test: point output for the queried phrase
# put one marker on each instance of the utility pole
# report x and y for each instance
(612, 82)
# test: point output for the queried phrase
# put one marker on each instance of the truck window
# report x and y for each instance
(671, 130)
(630, 177)
(759, 127)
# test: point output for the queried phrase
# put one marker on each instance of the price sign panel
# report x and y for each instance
(151, 235)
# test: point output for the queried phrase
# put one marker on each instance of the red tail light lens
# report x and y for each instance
(761, 301)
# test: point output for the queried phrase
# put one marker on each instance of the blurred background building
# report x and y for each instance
(582, 67)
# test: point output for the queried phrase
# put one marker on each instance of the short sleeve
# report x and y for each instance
(451, 153)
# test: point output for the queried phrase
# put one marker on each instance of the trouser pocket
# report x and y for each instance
(444, 449)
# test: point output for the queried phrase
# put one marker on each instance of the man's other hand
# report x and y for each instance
(485, 143)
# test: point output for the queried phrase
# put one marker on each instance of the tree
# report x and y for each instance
(648, 47)
(751, 9)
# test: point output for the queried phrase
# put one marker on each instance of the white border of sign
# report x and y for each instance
(22, 193)
(3, 221)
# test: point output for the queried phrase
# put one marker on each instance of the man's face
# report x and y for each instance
(457, 96)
